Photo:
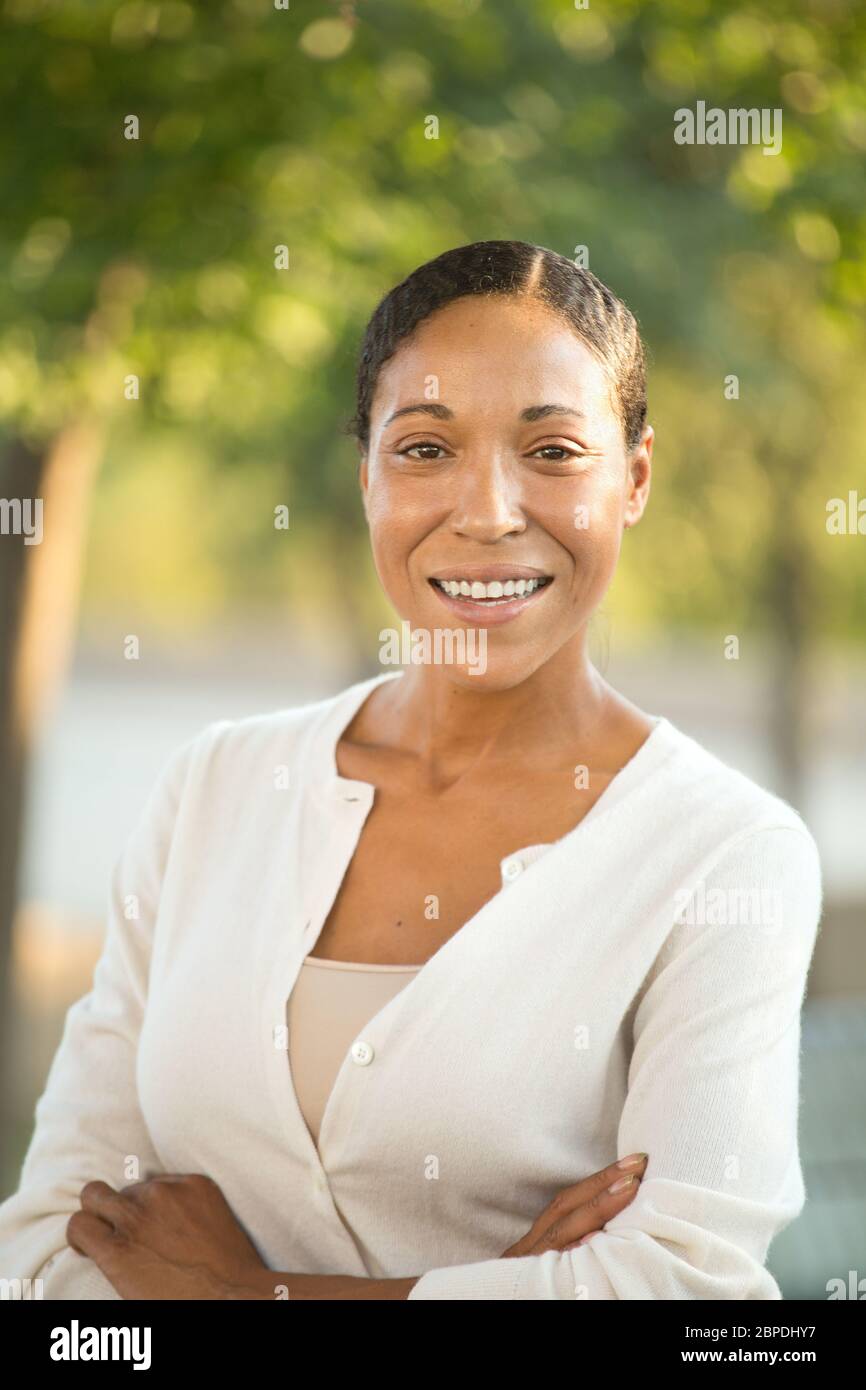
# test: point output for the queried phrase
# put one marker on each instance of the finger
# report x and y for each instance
(99, 1199)
(571, 1198)
(589, 1217)
(598, 1183)
(90, 1235)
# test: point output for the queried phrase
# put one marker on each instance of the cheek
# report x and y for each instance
(589, 525)
(401, 512)
(596, 552)
(385, 518)
(596, 556)
(390, 505)
(395, 529)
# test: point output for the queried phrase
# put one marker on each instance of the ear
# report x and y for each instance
(638, 483)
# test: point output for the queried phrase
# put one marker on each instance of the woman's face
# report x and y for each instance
(496, 483)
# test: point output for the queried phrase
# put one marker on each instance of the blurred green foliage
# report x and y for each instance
(306, 127)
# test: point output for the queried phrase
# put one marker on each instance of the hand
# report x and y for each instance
(169, 1237)
(579, 1212)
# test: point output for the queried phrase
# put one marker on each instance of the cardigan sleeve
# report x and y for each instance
(712, 1097)
(88, 1124)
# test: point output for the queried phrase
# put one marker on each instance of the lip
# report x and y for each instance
(487, 574)
(480, 614)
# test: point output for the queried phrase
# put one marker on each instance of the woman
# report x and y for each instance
(394, 983)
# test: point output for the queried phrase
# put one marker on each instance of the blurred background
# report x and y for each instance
(168, 379)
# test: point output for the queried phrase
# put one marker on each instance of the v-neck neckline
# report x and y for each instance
(328, 782)
(327, 778)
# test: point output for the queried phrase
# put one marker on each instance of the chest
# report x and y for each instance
(425, 865)
(492, 1028)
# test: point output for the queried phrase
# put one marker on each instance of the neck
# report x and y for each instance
(451, 727)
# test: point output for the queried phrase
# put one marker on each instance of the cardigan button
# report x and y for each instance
(512, 868)
(362, 1053)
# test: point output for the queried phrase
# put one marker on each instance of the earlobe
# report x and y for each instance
(640, 469)
(634, 512)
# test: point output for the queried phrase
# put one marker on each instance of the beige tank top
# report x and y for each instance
(327, 1009)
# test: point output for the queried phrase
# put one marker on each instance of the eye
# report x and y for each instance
(424, 454)
(556, 453)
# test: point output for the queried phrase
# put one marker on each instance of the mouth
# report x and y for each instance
(494, 596)
(496, 591)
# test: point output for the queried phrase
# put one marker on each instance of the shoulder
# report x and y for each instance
(733, 854)
(715, 805)
(298, 737)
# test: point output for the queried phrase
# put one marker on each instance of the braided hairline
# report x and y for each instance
(601, 319)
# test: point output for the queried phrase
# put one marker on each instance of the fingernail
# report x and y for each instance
(633, 1161)
(622, 1183)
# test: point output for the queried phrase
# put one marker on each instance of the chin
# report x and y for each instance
(493, 681)
(489, 672)
(468, 656)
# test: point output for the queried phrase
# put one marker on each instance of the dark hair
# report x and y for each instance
(603, 322)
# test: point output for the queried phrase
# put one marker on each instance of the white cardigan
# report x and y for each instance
(585, 1012)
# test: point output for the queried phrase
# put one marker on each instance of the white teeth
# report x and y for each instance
(495, 590)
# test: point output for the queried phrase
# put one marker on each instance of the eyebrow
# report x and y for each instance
(539, 412)
(441, 412)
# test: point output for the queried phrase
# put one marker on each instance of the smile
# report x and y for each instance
(496, 591)
(490, 599)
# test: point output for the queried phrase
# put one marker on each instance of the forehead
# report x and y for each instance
(494, 354)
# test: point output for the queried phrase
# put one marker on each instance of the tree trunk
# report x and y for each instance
(21, 473)
(39, 584)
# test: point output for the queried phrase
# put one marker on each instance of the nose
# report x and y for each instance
(486, 502)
